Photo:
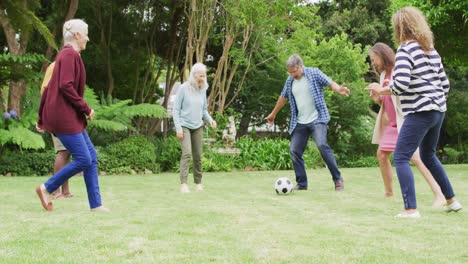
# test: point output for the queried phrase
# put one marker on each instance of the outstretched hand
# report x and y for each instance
(375, 89)
(344, 90)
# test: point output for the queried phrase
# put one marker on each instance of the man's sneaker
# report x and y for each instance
(101, 209)
(199, 187)
(184, 188)
(45, 197)
(299, 188)
(414, 214)
(453, 207)
(339, 185)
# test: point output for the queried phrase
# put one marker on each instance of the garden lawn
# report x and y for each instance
(237, 219)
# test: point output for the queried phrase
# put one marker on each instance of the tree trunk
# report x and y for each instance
(17, 88)
(243, 125)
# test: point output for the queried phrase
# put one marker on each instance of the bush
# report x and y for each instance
(269, 154)
(359, 162)
(133, 153)
(213, 161)
(27, 163)
(167, 153)
(450, 156)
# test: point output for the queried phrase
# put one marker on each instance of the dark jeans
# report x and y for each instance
(298, 144)
(84, 159)
(420, 129)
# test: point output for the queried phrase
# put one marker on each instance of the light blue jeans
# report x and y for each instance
(421, 129)
(84, 160)
(298, 144)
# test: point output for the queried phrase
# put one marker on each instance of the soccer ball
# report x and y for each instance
(283, 185)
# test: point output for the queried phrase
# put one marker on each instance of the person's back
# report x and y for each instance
(425, 86)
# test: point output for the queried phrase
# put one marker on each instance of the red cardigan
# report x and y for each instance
(62, 109)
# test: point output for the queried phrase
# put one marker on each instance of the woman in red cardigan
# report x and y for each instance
(64, 113)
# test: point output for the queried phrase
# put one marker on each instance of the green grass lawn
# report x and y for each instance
(237, 219)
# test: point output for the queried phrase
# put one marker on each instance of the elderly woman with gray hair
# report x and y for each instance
(189, 112)
(64, 113)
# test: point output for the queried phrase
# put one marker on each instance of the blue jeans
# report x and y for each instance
(420, 129)
(299, 139)
(84, 160)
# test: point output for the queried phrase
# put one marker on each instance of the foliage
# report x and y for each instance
(20, 131)
(20, 14)
(359, 162)
(118, 115)
(456, 118)
(27, 163)
(365, 22)
(167, 152)
(213, 161)
(133, 153)
(26, 66)
(448, 20)
(269, 154)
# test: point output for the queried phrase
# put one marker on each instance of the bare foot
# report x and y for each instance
(57, 195)
(438, 202)
(388, 195)
(68, 195)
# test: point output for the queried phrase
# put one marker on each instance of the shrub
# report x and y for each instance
(167, 152)
(133, 153)
(269, 154)
(213, 161)
(27, 163)
(450, 156)
(359, 162)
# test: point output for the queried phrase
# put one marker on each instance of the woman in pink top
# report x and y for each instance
(389, 120)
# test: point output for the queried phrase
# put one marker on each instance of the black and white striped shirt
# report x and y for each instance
(419, 79)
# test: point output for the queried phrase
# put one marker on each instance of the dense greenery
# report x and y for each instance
(140, 49)
(141, 154)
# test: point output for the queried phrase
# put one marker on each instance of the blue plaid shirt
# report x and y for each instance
(316, 80)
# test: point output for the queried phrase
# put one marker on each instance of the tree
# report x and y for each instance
(448, 20)
(18, 21)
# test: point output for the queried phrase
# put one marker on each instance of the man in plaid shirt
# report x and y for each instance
(309, 116)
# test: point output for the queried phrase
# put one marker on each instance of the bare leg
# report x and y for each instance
(386, 170)
(439, 198)
(61, 160)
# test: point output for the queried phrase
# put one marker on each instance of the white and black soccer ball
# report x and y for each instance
(283, 185)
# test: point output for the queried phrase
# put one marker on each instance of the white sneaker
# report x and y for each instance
(199, 187)
(101, 209)
(414, 214)
(184, 188)
(453, 207)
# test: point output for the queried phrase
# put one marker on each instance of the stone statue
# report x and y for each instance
(229, 134)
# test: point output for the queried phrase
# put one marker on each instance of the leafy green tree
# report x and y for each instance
(364, 21)
(448, 20)
(18, 21)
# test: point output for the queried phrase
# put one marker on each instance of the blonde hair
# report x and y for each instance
(409, 23)
(197, 68)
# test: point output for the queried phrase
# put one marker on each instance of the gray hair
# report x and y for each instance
(293, 61)
(197, 68)
(71, 27)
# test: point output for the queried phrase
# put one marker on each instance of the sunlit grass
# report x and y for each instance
(237, 219)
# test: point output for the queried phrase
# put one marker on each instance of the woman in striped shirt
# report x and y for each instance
(419, 80)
